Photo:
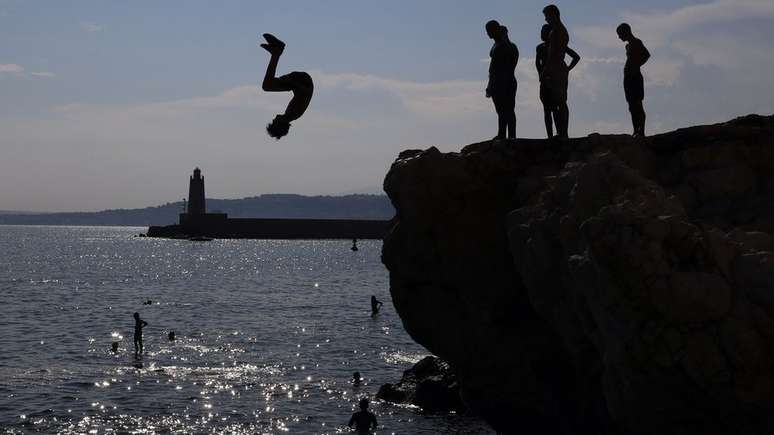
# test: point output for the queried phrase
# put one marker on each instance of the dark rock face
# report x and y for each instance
(429, 384)
(606, 285)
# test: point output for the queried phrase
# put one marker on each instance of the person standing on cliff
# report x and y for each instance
(634, 84)
(554, 75)
(501, 88)
(550, 107)
(298, 82)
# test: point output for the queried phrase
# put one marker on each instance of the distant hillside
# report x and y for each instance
(264, 206)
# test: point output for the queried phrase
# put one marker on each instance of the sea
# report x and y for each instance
(268, 335)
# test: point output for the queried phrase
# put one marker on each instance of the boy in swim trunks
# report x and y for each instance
(550, 107)
(634, 84)
(554, 74)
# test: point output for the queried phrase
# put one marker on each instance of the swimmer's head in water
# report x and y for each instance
(278, 127)
(545, 32)
(363, 403)
(137, 316)
(624, 31)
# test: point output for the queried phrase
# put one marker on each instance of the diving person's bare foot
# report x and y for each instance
(273, 40)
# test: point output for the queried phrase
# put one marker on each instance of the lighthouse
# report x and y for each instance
(196, 205)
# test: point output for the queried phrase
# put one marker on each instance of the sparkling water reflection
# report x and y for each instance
(268, 335)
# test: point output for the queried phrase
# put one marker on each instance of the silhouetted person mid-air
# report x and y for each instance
(375, 305)
(634, 83)
(502, 82)
(298, 82)
(363, 420)
(550, 107)
(139, 324)
(554, 74)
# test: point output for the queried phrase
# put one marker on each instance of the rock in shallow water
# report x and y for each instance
(605, 285)
(429, 384)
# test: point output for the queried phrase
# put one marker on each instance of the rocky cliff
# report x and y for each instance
(605, 285)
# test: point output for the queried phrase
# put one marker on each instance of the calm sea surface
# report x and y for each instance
(268, 335)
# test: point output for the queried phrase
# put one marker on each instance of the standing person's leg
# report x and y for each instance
(545, 98)
(511, 113)
(638, 117)
(549, 120)
(634, 89)
(512, 126)
(562, 120)
(136, 346)
(558, 89)
(502, 119)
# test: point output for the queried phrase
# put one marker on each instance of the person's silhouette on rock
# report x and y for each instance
(139, 324)
(298, 82)
(501, 88)
(550, 107)
(363, 420)
(554, 74)
(634, 83)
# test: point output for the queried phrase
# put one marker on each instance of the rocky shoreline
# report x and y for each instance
(429, 384)
(605, 285)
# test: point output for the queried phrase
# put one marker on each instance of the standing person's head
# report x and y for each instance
(278, 127)
(551, 12)
(624, 32)
(363, 403)
(493, 29)
(136, 316)
(545, 32)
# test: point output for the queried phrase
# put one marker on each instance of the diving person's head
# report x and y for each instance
(278, 127)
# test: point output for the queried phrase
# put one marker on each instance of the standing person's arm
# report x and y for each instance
(351, 420)
(538, 61)
(489, 80)
(144, 323)
(374, 424)
(645, 54)
(575, 58)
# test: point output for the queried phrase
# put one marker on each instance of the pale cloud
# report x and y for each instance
(91, 27)
(663, 71)
(660, 28)
(443, 98)
(699, 35)
(19, 71)
(11, 68)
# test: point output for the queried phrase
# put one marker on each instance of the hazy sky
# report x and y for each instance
(111, 104)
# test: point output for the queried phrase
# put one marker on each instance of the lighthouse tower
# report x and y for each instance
(196, 205)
